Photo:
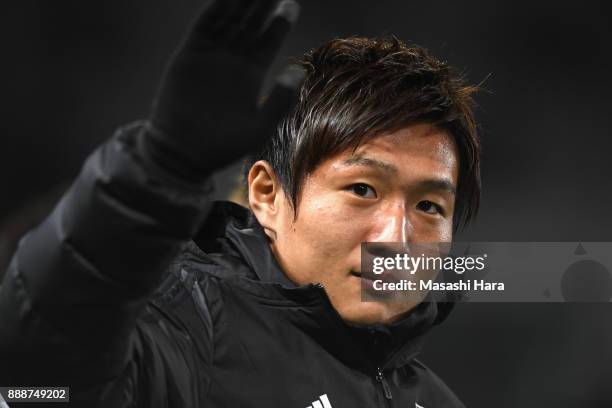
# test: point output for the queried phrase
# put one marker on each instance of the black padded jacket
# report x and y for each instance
(138, 291)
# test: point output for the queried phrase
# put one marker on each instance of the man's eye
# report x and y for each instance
(429, 207)
(363, 190)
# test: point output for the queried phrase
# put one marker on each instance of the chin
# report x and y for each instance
(370, 313)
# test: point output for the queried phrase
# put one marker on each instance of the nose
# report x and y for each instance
(395, 226)
(392, 227)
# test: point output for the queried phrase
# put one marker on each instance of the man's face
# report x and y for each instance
(399, 187)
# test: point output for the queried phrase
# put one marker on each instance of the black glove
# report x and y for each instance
(206, 113)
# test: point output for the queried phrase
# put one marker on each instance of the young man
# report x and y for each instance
(138, 291)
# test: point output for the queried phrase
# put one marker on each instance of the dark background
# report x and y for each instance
(73, 71)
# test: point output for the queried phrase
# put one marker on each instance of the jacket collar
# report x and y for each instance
(232, 237)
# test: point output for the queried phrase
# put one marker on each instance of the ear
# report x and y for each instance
(265, 196)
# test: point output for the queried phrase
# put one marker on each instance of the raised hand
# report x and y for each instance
(206, 113)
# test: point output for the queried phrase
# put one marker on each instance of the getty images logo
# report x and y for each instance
(322, 402)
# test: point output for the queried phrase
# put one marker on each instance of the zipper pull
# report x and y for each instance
(381, 379)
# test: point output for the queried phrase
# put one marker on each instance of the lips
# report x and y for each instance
(371, 277)
(367, 277)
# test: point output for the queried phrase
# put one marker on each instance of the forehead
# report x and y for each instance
(414, 152)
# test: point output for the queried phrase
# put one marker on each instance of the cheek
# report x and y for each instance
(329, 231)
(424, 231)
(447, 232)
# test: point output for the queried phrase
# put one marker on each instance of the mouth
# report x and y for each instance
(361, 276)
(369, 278)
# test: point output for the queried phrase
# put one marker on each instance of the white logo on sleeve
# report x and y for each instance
(322, 402)
(416, 405)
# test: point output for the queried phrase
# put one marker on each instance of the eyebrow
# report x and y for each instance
(364, 161)
(426, 184)
(438, 184)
